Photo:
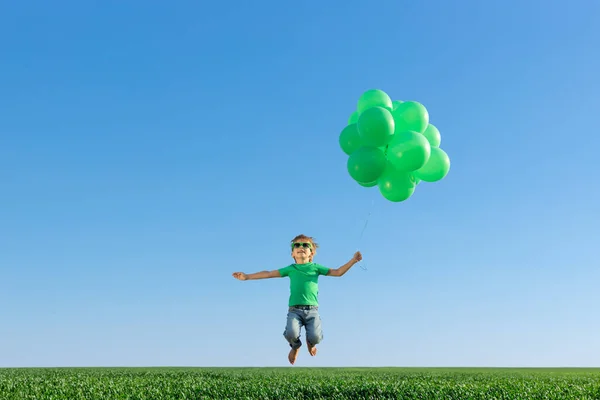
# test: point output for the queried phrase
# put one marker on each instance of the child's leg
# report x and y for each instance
(314, 332)
(292, 329)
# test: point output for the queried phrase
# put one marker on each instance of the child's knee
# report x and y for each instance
(314, 339)
(291, 334)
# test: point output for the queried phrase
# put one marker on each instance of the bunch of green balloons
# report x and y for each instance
(392, 145)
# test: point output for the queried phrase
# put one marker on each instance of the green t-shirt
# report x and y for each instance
(304, 286)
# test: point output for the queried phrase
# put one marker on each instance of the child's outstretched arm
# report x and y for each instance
(257, 275)
(344, 268)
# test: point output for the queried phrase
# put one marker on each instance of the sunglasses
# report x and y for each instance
(305, 245)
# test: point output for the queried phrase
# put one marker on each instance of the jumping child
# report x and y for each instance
(304, 290)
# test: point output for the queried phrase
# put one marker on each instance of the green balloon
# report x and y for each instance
(366, 164)
(368, 184)
(408, 151)
(433, 135)
(376, 126)
(350, 139)
(353, 118)
(374, 98)
(396, 103)
(411, 116)
(395, 185)
(436, 168)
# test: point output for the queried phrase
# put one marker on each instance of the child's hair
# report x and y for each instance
(308, 239)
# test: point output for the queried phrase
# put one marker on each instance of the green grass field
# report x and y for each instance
(298, 383)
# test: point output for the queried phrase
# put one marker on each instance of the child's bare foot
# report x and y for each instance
(293, 356)
(312, 349)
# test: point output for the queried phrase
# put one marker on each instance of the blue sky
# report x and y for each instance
(148, 151)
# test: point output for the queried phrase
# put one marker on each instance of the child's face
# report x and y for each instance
(302, 251)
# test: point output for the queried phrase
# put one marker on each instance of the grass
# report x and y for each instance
(298, 383)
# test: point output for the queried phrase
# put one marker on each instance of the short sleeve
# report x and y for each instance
(322, 269)
(285, 271)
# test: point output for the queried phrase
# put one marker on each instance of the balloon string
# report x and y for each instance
(365, 227)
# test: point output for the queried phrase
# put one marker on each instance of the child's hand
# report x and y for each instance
(240, 275)
(357, 256)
